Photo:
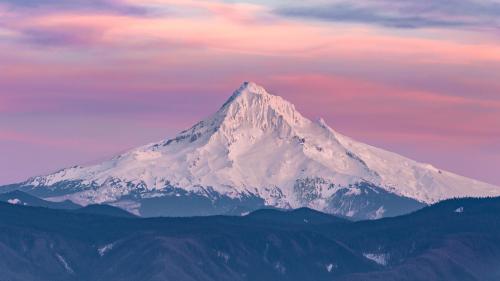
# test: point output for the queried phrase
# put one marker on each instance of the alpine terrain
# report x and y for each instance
(456, 239)
(256, 151)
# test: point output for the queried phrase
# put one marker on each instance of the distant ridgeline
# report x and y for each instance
(457, 239)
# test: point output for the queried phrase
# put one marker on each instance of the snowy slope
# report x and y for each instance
(258, 145)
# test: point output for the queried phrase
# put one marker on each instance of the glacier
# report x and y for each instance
(257, 151)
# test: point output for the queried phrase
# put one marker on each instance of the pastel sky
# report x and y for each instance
(83, 80)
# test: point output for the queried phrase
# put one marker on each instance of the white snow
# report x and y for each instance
(129, 205)
(257, 143)
(280, 267)
(14, 201)
(353, 191)
(379, 213)
(380, 259)
(104, 249)
(225, 256)
(64, 263)
(350, 213)
(330, 267)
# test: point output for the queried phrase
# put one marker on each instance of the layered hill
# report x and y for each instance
(452, 240)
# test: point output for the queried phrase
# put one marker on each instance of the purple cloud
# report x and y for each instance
(58, 36)
(76, 5)
(403, 14)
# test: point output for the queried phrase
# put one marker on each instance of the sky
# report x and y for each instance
(83, 80)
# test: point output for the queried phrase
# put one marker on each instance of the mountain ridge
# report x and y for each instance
(451, 240)
(258, 150)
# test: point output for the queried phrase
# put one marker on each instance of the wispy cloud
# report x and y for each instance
(115, 6)
(403, 13)
(57, 36)
(168, 63)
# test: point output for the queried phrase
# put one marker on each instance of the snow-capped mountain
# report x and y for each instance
(257, 150)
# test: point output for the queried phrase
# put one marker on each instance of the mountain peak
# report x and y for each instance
(253, 105)
(251, 88)
(247, 89)
(259, 147)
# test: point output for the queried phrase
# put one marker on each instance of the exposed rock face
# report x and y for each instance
(257, 150)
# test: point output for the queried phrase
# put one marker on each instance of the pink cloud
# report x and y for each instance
(411, 91)
(54, 142)
(393, 112)
(277, 37)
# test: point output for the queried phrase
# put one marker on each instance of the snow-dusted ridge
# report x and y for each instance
(258, 144)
